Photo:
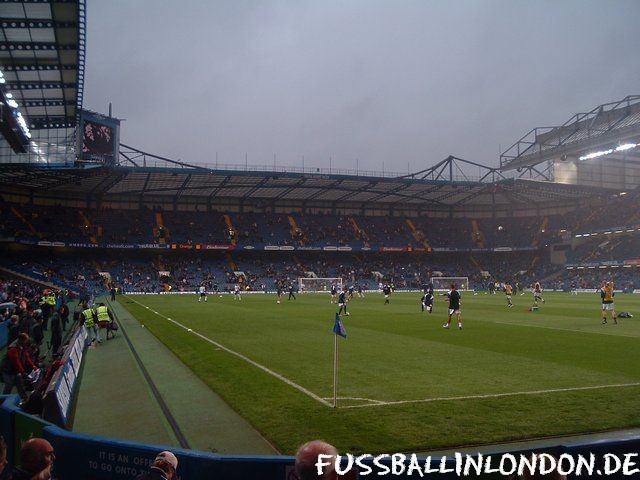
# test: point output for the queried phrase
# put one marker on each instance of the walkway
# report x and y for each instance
(134, 388)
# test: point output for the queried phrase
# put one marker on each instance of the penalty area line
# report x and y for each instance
(282, 378)
(497, 395)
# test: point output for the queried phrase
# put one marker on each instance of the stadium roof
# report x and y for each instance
(202, 186)
(605, 126)
(42, 55)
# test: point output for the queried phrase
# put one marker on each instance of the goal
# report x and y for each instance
(444, 283)
(318, 284)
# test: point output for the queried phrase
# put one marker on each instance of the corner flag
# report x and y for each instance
(338, 327)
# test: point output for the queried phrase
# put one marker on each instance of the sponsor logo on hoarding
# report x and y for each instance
(218, 247)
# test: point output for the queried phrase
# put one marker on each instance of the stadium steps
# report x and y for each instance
(535, 260)
(418, 235)
(24, 276)
(126, 382)
(360, 233)
(229, 223)
(159, 227)
(296, 232)
(21, 217)
(478, 236)
(87, 230)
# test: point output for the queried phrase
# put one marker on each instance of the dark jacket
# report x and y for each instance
(13, 331)
(154, 473)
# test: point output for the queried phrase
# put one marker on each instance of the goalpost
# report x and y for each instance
(318, 284)
(444, 283)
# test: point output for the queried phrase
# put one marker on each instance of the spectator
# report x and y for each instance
(164, 467)
(307, 457)
(13, 329)
(63, 311)
(36, 460)
(16, 365)
(56, 332)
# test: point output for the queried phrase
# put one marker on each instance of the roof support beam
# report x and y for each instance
(9, 23)
(19, 66)
(39, 85)
(42, 46)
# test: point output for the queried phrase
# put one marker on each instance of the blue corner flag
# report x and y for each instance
(338, 327)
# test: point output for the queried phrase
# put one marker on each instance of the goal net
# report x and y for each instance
(318, 284)
(444, 283)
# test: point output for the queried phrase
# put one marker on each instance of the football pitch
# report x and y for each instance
(404, 382)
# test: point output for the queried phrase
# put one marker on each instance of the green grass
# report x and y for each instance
(395, 353)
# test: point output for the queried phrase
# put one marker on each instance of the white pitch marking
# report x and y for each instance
(563, 329)
(248, 360)
(498, 395)
(370, 400)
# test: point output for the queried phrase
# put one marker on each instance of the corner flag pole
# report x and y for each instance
(335, 372)
(338, 329)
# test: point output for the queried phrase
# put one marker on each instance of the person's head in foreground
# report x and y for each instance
(36, 459)
(168, 463)
(307, 458)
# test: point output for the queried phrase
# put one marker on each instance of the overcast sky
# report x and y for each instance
(399, 82)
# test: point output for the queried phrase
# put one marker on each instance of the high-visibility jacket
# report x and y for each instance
(103, 314)
(88, 318)
(51, 300)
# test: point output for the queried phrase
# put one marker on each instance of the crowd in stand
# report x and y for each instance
(29, 223)
(35, 320)
(185, 272)
(106, 225)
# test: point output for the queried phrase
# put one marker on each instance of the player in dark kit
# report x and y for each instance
(454, 307)
(292, 291)
(386, 289)
(278, 293)
(342, 302)
(350, 296)
(334, 292)
(427, 301)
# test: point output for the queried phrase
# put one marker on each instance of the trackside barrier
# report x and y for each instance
(88, 457)
(617, 448)
(21, 426)
(58, 398)
(6, 423)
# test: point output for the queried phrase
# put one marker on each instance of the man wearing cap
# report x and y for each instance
(163, 468)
